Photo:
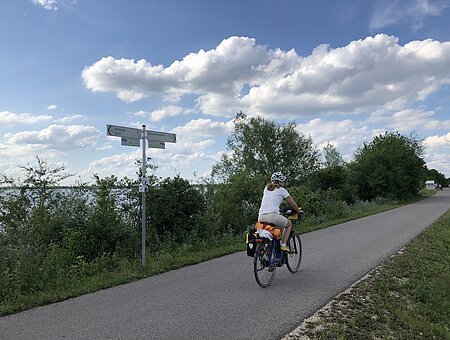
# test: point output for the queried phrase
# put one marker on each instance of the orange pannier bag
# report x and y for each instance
(276, 233)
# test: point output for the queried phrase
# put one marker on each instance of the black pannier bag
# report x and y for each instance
(250, 241)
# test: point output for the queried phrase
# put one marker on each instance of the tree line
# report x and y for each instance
(48, 234)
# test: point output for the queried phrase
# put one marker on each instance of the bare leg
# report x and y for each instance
(286, 232)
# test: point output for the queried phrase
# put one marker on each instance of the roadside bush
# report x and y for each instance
(319, 205)
(104, 224)
(175, 210)
(129, 210)
(235, 204)
(336, 178)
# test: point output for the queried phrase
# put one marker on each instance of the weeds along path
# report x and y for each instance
(220, 299)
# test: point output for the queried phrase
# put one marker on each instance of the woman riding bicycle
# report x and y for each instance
(274, 193)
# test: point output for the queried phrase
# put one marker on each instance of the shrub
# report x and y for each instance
(175, 209)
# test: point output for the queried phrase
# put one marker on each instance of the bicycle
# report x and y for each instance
(267, 255)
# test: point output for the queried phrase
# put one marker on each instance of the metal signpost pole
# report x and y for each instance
(143, 185)
(156, 140)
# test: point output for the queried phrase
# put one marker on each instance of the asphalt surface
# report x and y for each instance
(219, 299)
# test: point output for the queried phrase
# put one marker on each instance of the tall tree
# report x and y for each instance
(390, 166)
(332, 156)
(260, 147)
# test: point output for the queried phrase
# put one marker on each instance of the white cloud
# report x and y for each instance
(205, 128)
(70, 119)
(165, 112)
(105, 146)
(160, 114)
(52, 107)
(9, 153)
(47, 4)
(13, 119)
(56, 137)
(140, 113)
(435, 141)
(409, 120)
(345, 135)
(225, 69)
(412, 13)
(131, 80)
(183, 148)
(119, 165)
(438, 160)
(367, 74)
(217, 104)
(364, 75)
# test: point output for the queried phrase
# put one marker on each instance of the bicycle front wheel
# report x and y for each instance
(294, 257)
(264, 272)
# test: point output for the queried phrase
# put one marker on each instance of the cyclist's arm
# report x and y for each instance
(292, 203)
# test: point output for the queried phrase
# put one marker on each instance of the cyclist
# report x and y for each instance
(274, 193)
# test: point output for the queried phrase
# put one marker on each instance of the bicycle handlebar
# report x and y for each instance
(291, 213)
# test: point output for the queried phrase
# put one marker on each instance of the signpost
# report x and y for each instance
(156, 145)
(122, 131)
(157, 136)
(132, 137)
(130, 142)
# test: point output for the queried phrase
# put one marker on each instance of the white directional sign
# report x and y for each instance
(132, 133)
(130, 141)
(122, 131)
(157, 136)
(137, 142)
(156, 145)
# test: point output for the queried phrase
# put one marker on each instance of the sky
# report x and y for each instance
(343, 71)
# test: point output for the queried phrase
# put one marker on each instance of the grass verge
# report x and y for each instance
(407, 297)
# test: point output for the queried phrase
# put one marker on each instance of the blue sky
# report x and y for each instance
(344, 71)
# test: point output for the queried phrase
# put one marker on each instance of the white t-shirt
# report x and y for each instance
(272, 199)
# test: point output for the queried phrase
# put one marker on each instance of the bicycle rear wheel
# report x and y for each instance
(294, 257)
(264, 272)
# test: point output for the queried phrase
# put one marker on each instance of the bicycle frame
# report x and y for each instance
(278, 257)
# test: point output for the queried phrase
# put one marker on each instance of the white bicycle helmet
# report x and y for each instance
(278, 176)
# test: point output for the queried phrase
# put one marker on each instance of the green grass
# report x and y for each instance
(308, 226)
(408, 297)
(101, 274)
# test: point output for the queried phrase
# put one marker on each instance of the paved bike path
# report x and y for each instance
(219, 299)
